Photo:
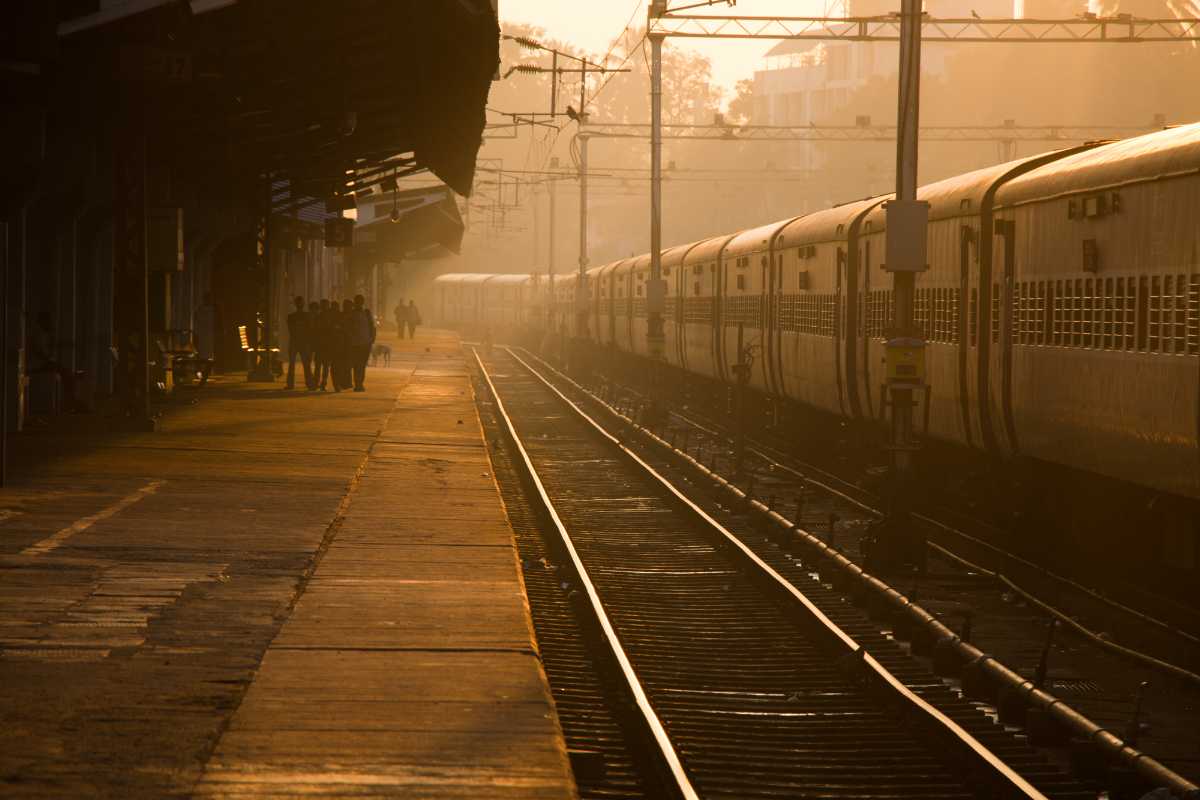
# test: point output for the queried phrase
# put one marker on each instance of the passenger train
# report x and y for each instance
(1061, 308)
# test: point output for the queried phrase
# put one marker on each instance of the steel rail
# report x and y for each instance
(1112, 745)
(1013, 781)
(1151, 661)
(1164, 666)
(666, 748)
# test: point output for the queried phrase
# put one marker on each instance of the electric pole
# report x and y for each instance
(581, 294)
(907, 221)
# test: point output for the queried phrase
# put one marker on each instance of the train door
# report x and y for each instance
(765, 315)
(864, 327)
(839, 294)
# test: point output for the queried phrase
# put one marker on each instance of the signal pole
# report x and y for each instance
(550, 320)
(581, 298)
(907, 221)
(655, 290)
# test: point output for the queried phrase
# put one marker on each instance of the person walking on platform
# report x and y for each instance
(401, 315)
(341, 349)
(413, 317)
(360, 336)
(324, 341)
(299, 324)
(314, 334)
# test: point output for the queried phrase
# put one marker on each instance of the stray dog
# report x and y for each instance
(381, 351)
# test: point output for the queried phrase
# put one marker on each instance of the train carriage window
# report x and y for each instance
(1143, 309)
(1120, 316)
(973, 323)
(1077, 316)
(698, 269)
(1047, 312)
(741, 282)
(1110, 311)
(1064, 302)
(1020, 314)
(1193, 316)
(696, 288)
(1156, 310)
(995, 313)
(955, 302)
(1091, 327)
(1181, 314)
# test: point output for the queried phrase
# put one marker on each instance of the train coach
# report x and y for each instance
(1061, 309)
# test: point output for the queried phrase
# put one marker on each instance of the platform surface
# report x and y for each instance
(278, 594)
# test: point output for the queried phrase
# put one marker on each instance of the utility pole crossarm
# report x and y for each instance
(1122, 28)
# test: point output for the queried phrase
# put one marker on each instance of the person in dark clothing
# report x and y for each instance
(341, 350)
(401, 314)
(43, 357)
(324, 331)
(360, 335)
(414, 319)
(300, 336)
(314, 333)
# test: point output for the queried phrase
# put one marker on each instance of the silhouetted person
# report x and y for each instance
(326, 340)
(341, 350)
(314, 333)
(43, 357)
(413, 318)
(300, 336)
(401, 315)
(360, 335)
(207, 326)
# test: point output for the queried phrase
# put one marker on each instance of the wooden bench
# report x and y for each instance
(255, 354)
(179, 357)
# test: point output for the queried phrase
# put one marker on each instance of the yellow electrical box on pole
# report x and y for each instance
(904, 359)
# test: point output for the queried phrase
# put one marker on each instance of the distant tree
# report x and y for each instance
(741, 107)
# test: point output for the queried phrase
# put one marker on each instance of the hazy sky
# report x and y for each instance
(592, 25)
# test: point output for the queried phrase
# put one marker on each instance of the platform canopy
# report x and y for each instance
(426, 222)
(317, 94)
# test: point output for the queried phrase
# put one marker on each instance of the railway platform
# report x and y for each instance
(278, 593)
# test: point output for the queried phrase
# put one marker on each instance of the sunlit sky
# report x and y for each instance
(592, 25)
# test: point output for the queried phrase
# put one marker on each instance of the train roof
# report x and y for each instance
(509, 279)
(756, 239)
(1151, 157)
(675, 255)
(825, 225)
(964, 195)
(464, 277)
(709, 248)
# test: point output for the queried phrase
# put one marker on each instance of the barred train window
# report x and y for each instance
(1180, 345)
(1193, 316)
(973, 322)
(1155, 319)
(995, 313)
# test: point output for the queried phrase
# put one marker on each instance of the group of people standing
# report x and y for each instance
(407, 316)
(333, 343)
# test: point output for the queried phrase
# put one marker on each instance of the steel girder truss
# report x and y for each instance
(1122, 28)
(865, 133)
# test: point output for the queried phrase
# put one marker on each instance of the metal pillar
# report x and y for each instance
(551, 321)
(655, 291)
(4, 389)
(903, 238)
(263, 371)
(907, 221)
(131, 269)
(581, 299)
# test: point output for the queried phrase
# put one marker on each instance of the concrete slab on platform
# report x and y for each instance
(279, 593)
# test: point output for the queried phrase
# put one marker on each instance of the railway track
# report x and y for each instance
(751, 676)
(1141, 702)
(1126, 671)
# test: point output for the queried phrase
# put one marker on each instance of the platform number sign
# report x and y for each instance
(339, 232)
